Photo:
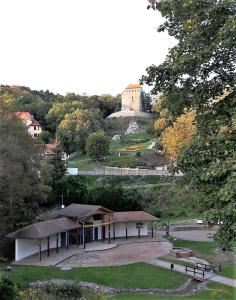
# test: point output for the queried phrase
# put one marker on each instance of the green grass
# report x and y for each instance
(228, 271)
(214, 291)
(176, 261)
(140, 275)
(198, 247)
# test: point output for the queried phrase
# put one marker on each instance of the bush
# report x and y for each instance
(7, 289)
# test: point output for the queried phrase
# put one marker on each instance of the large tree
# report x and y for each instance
(22, 188)
(199, 73)
(75, 127)
(97, 145)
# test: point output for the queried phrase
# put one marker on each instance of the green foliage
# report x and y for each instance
(7, 289)
(57, 172)
(110, 193)
(74, 189)
(22, 190)
(97, 145)
(75, 128)
(201, 76)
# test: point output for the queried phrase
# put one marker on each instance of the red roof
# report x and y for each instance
(128, 216)
(134, 86)
(24, 115)
(49, 147)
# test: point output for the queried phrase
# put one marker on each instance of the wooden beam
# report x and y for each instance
(48, 246)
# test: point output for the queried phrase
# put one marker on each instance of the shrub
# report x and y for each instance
(7, 289)
(97, 145)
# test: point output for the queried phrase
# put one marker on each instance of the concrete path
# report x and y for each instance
(224, 280)
(208, 275)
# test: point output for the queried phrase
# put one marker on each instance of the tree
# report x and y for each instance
(199, 73)
(180, 134)
(75, 128)
(97, 145)
(74, 189)
(22, 189)
(58, 171)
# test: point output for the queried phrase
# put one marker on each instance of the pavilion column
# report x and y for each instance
(84, 236)
(67, 240)
(139, 231)
(48, 239)
(57, 242)
(40, 250)
(77, 237)
(103, 233)
(126, 230)
(152, 229)
(114, 232)
(109, 232)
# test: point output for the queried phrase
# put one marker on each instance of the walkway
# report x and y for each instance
(208, 275)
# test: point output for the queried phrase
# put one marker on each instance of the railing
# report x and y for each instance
(120, 172)
(206, 267)
(195, 271)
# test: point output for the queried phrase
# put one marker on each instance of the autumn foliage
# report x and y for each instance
(174, 137)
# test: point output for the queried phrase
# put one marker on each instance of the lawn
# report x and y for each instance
(140, 275)
(202, 248)
(228, 271)
(214, 291)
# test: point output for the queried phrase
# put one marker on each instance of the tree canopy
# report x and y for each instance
(97, 145)
(199, 73)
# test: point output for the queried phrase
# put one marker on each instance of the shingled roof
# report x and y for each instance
(83, 210)
(44, 229)
(129, 216)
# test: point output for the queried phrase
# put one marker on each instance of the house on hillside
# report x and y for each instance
(33, 127)
(78, 224)
(49, 150)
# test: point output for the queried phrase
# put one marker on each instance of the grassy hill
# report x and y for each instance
(131, 150)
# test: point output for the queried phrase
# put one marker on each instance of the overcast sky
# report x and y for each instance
(81, 46)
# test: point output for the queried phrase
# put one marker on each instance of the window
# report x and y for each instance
(97, 217)
(34, 127)
(35, 134)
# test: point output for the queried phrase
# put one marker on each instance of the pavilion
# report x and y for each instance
(78, 224)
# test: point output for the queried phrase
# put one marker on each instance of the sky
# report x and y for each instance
(80, 46)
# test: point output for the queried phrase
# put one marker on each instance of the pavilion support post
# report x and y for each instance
(114, 232)
(40, 250)
(48, 246)
(67, 240)
(103, 233)
(126, 230)
(152, 229)
(57, 242)
(109, 233)
(139, 231)
(84, 236)
(77, 237)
